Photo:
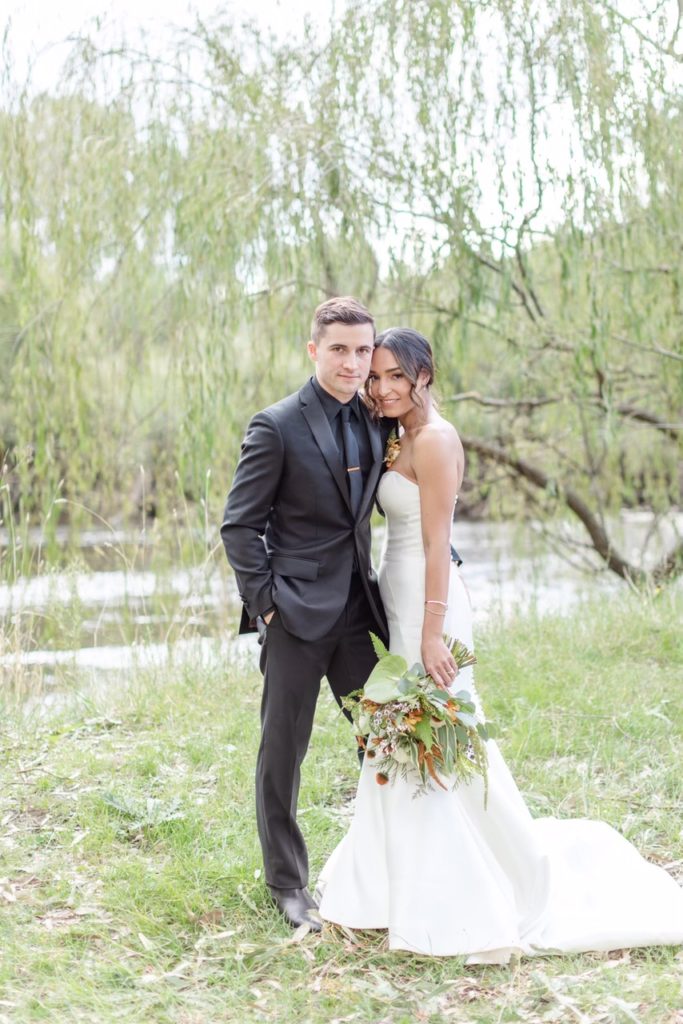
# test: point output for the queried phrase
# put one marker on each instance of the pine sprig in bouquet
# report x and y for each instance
(415, 729)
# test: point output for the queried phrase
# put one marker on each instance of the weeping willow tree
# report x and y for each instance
(505, 177)
(519, 161)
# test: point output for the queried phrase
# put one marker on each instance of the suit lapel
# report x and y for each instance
(377, 459)
(314, 415)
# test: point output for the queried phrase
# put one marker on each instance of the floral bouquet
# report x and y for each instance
(415, 728)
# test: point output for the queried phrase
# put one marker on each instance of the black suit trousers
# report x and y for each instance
(293, 669)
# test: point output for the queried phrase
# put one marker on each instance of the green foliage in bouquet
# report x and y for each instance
(415, 729)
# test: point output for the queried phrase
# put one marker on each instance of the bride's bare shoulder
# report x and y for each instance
(439, 435)
(438, 454)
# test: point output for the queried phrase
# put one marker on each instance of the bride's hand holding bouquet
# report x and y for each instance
(416, 729)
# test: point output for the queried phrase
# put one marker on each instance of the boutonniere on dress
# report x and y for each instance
(392, 449)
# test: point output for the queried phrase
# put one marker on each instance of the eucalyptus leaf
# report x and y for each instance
(407, 685)
(468, 720)
(423, 731)
(382, 685)
(382, 690)
(447, 739)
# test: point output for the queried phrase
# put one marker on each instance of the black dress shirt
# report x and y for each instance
(331, 407)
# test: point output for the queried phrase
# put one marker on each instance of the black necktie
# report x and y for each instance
(352, 457)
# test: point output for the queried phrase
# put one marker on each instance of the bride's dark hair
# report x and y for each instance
(413, 355)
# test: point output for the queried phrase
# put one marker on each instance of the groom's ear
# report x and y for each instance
(312, 349)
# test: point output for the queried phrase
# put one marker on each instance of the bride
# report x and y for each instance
(440, 872)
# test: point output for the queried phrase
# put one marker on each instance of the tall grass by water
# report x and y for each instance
(130, 872)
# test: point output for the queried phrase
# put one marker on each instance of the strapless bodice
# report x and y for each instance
(400, 499)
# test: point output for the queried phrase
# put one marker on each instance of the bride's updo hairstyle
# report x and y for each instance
(413, 355)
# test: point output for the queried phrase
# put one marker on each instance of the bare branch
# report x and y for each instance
(662, 269)
(502, 403)
(513, 284)
(540, 479)
(631, 412)
(666, 51)
(525, 277)
(655, 349)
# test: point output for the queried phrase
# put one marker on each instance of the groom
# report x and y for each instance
(296, 531)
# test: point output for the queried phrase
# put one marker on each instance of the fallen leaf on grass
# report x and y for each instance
(148, 979)
(60, 918)
(32, 819)
(247, 899)
(469, 992)
(299, 934)
(143, 814)
(348, 934)
(626, 1008)
(675, 868)
(146, 943)
(617, 958)
(205, 940)
(208, 918)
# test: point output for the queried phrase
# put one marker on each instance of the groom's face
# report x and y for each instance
(342, 358)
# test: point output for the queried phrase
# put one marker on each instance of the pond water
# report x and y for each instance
(107, 616)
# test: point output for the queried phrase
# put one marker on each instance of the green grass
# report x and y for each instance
(130, 885)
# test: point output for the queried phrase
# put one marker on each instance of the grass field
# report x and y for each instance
(130, 885)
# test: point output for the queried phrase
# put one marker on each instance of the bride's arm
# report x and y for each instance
(438, 463)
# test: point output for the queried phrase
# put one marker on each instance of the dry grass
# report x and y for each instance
(130, 884)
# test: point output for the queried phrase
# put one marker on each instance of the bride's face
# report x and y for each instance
(389, 386)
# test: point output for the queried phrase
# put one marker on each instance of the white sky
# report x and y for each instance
(39, 27)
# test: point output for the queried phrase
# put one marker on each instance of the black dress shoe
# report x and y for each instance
(298, 907)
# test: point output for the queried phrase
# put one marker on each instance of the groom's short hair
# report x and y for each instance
(343, 309)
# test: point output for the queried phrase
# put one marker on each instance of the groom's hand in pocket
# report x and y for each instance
(261, 624)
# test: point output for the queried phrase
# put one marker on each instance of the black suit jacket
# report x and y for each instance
(288, 529)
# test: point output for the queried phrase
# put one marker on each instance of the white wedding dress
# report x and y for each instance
(445, 875)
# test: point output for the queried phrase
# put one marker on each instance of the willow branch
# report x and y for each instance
(654, 349)
(542, 480)
(666, 51)
(631, 412)
(502, 403)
